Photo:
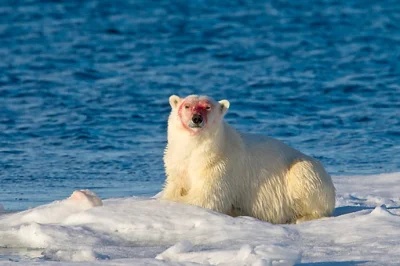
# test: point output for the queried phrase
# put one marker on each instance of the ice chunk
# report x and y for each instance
(86, 198)
(381, 211)
(175, 250)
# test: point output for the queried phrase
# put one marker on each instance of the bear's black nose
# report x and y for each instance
(197, 119)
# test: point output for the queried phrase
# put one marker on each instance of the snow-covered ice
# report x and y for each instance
(84, 230)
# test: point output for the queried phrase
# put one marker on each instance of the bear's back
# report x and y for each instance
(270, 151)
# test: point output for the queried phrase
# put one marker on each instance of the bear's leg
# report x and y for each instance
(308, 218)
(173, 191)
(209, 194)
(235, 211)
(311, 190)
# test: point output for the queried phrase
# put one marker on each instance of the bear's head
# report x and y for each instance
(196, 113)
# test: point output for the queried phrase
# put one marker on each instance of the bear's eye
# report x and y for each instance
(186, 106)
(208, 108)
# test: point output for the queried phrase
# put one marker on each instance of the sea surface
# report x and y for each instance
(84, 86)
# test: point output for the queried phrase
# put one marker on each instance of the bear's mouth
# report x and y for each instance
(193, 125)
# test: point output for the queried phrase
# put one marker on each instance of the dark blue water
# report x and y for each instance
(84, 86)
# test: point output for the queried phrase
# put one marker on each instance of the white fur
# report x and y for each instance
(243, 174)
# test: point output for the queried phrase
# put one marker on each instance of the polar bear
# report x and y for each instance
(210, 164)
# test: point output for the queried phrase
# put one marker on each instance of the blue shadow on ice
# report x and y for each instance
(350, 209)
(333, 263)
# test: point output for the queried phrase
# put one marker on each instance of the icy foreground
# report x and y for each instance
(83, 230)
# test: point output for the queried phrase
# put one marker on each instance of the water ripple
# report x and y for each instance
(84, 85)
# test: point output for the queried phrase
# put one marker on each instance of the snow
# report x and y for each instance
(84, 230)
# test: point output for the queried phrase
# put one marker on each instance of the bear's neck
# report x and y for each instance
(213, 141)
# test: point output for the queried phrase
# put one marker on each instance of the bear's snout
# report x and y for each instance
(197, 119)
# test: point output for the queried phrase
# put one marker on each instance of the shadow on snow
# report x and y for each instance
(333, 263)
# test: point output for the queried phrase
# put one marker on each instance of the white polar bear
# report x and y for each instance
(210, 164)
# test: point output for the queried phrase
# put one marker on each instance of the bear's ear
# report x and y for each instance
(174, 101)
(224, 104)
